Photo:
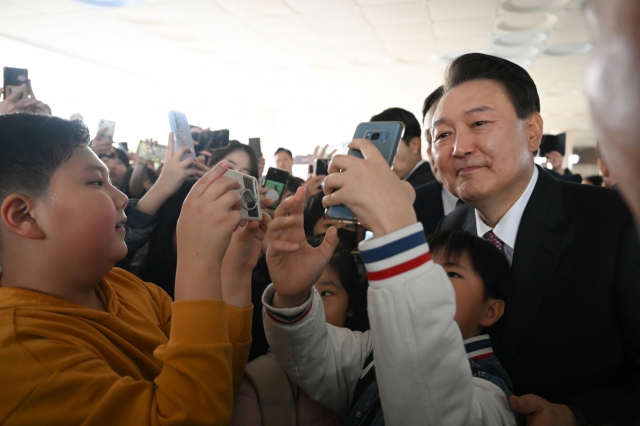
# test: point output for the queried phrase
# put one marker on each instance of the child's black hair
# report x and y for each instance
(487, 261)
(32, 148)
(313, 212)
(344, 264)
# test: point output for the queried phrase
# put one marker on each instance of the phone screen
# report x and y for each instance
(13, 79)
(277, 186)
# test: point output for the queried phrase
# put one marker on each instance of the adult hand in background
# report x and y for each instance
(382, 202)
(322, 152)
(555, 158)
(313, 185)
(13, 103)
(540, 412)
(101, 144)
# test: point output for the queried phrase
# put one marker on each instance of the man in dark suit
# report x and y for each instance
(570, 335)
(408, 164)
(433, 201)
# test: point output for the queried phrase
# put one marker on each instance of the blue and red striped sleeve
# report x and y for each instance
(395, 256)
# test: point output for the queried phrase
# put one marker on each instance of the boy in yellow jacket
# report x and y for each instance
(82, 342)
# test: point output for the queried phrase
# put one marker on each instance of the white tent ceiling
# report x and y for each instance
(296, 73)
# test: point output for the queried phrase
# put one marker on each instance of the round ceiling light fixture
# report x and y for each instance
(529, 6)
(523, 38)
(526, 22)
(567, 49)
(109, 4)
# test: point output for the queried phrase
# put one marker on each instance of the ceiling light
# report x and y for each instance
(528, 6)
(526, 22)
(109, 4)
(524, 38)
(567, 49)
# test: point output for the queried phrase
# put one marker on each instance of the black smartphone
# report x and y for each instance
(275, 182)
(13, 79)
(212, 139)
(385, 135)
(321, 166)
(254, 143)
(124, 145)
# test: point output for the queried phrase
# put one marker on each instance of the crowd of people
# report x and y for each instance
(476, 288)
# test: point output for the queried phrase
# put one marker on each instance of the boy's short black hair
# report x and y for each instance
(516, 80)
(32, 147)
(279, 150)
(411, 124)
(488, 263)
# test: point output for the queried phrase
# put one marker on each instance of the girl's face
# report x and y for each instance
(239, 161)
(334, 297)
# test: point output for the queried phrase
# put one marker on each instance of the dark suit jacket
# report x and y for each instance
(571, 328)
(428, 206)
(421, 175)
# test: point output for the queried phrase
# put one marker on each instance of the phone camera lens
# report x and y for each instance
(375, 136)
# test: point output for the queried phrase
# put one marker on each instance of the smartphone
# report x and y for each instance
(181, 133)
(303, 159)
(155, 153)
(124, 145)
(553, 143)
(250, 194)
(321, 166)
(13, 79)
(385, 135)
(109, 125)
(254, 143)
(275, 181)
(212, 139)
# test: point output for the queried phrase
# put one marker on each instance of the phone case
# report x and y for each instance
(181, 133)
(279, 178)
(251, 209)
(13, 79)
(109, 125)
(385, 135)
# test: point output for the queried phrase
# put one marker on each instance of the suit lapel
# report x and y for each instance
(537, 252)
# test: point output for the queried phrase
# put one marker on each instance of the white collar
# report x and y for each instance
(507, 228)
(420, 163)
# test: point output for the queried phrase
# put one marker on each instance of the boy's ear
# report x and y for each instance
(414, 144)
(16, 213)
(492, 313)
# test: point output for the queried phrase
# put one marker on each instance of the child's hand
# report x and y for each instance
(294, 265)
(382, 202)
(240, 260)
(209, 216)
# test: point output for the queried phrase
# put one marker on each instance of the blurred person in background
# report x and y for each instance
(240, 156)
(408, 164)
(608, 181)
(284, 159)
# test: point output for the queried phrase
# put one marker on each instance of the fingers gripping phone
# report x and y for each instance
(275, 182)
(250, 195)
(384, 135)
(13, 79)
(181, 133)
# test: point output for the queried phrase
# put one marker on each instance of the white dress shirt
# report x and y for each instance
(449, 201)
(507, 228)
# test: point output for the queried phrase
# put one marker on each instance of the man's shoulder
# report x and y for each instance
(462, 218)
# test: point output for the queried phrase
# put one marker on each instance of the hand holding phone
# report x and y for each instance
(370, 190)
(181, 133)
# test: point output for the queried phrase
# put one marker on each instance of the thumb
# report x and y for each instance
(329, 243)
(525, 404)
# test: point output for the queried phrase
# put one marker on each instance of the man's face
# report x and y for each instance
(283, 161)
(83, 214)
(613, 88)
(480, 147)
(117, 168)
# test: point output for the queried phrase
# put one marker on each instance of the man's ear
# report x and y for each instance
(493, 311)
(16, 214)
(414, 145)
(603, 168)
(534, 131)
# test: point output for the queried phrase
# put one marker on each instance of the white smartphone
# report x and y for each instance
(181, 133)
(109, 125)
